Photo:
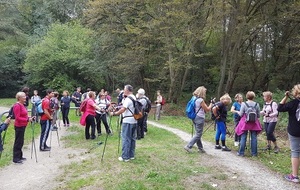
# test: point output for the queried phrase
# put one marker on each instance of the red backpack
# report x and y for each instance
(163, 101)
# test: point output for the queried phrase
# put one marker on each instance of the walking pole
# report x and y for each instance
(208, 127)
(33, 142)
(106, 140)
(50, 140)
(3, 142)
(57, 138)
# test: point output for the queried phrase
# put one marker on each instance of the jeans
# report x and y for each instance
(253, 143)
(269, 128)
(45, 129)
(221, 130)
(128, 140)
(103, 118)
(90, 122)
(197, 136)
(65, 115)
(19, 142)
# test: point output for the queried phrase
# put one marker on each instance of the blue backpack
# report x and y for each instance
(190, 108)
(38, 108)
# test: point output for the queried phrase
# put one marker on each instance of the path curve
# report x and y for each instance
(254, 174)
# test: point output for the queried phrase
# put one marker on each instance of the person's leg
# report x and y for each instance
(98, 123)
(253, 143)
(63, 112)
(17, 152)
(198, 132)
(158, 107)
(241, 151)
(218, 133)
(93, 127)
(133, 140)
(22, 140)
(104, 120)
(67, 116)
(222, 128)
(47, 131)
(43, 132)
(273, 139)
(87, 127)
(295, 155)
(145, 123)
(267, 130)
(139, 128)
(126, 141)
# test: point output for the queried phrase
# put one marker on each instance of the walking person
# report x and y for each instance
(220, 112)
(46, 120)
(76, 98)
(270, 114)
(101, 115)
(158, 103)
(235, 109)
(21, 121)
(200, 108)
(88, 117)
(35, 99)
(65, 107)
(249, 122)
(293, 109)
(129, 125)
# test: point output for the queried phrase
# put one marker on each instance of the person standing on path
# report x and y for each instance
(142, 121)
(55, 102)
(293, 109)
(65, 108)
(158, 103)
(76, 97)
(101, 115)
(200, 108)
(35, 99)
(220, 112)
(45, 120)
(21, 121)
(270, 114)
(129, 125)
(235, 109)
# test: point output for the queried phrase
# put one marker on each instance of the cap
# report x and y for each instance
(141, 91)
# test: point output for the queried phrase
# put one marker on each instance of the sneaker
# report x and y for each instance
(23, 159)
(54, 128)
(123, 160)
(187, 149)
(45, 149)
(276, 149)
(201, 150)
(236, 143)
(65, 125)
(133, 158)
(241, 155)
(68, 125)
(18, 162)
(218, 147)
(292, 178)
(225, 148)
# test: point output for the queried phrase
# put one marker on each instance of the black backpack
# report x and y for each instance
(138, 109)
(11, 113)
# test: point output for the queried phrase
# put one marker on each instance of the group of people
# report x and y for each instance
(246, 119)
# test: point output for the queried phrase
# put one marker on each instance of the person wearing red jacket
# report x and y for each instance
(46, 119)
(21, 121)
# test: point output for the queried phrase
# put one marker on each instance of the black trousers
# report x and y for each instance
(140, 128)
(19, 142)
(65, 115)
(103, 118)
(90, 123)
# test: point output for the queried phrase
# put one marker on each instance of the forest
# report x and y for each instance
(172, 45)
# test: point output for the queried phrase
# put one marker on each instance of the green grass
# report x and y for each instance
(7, 102)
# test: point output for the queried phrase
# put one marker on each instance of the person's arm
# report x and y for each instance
(257, 110)
(232, 110)
(282, 105)
(45, 105)
(17, 112)
(205, 107)
(274, 109)
(242, 110)
(4, 125)
(215, 111)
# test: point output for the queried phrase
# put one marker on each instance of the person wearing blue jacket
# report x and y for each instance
(3, 127)
(65, 108)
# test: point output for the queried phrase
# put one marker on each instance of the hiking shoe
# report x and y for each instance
(99, 134)
(241, 155)
(225, 148)
(236, 143)
(18, 162)
(189, 150)
(276, 149)
(292, 178)
(132, 158)
(23, 159)
(218, 147)
(123, 160)
(54, 128)
(201, 150)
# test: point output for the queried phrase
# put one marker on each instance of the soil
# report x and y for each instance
(43, 174)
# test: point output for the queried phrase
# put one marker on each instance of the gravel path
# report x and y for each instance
(252, 173)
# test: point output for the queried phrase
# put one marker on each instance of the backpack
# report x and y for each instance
(163, 101)
(11, 113)
(251, 115)
(190, 108)
(271, 107)
(83, 105)
(213, 117)
(38, 107)
(148, 105)
(298, 112)
(138, 109)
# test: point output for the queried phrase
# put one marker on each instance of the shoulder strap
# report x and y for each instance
(133, 101)
(199, 107)
(247, 104)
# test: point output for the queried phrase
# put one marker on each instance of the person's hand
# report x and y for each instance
(287, 93)
(7, 121)
(111, 113)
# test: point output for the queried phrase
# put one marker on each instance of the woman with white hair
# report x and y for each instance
(21, 121)
(293, 109)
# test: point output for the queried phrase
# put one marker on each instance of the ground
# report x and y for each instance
(250, 174)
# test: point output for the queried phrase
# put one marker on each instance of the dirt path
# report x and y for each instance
(40, 175)
(252, 173)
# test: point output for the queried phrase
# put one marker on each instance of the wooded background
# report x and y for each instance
(173, 45)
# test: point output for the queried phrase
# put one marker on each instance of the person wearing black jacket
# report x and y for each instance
(65, 107)
(293, 130)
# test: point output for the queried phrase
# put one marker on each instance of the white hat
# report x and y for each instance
(141, 91)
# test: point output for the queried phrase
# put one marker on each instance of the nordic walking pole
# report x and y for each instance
(33, 142)
(208, 127)
(106, 140)
(50, 140)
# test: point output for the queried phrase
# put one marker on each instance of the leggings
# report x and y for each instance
(65, 115)
(270, 127)
(221, 131)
